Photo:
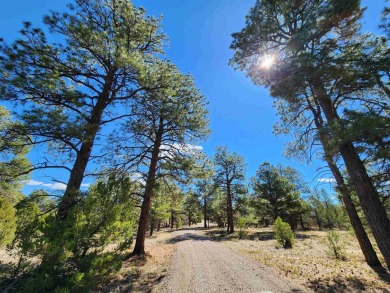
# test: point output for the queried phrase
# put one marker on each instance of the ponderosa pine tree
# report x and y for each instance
(160, 134)
(275, 193)
(307, 140)
(205, 190)
(311, 43)
(229, 177)
(192, 208)
(13, 164)
(159, 207)
(13, 150)
(98, 56)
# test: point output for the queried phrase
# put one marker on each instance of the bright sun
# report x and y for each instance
(267, 61)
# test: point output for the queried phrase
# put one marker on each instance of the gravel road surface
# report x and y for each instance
(201, 266)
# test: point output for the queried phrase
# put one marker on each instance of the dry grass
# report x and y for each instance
(142, 274)
(138, 274)
(309, 263)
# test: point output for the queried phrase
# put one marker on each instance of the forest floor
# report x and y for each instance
(208, 260)
(310, 262)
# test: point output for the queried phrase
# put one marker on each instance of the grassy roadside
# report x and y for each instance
(309, 263)
(142, 274)
(138, 274)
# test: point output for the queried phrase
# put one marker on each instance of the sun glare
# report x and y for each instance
(267, 61)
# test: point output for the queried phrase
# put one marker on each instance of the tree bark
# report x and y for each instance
(230, 209)
(369, 199)
(151, 228)
(205, 211)
(76, 177)
(172, 219)
(318, 220)
(139, 248)
(361, 235)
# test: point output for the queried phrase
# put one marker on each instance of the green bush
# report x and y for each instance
(242, 224)
(74, 251)
(335, 246)
(283, 233)
(7, 221)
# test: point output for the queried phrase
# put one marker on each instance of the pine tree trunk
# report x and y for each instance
(205, 212)
(230, 209)
(151, 228)
(158, 225)
(361, 235)
(302, 223)
(172, 219)
(368, 195)
(318, 220)
(369, 199)
(139, 248)
(69, 199)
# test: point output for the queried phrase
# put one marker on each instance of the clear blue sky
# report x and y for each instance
(241, 114)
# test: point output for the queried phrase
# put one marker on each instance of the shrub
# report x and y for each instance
(73, 251)
(335, 247)
(7, 221)
(242, 224)
(283, 233)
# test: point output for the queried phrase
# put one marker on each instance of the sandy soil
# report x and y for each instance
(202, 265)
(309, 262)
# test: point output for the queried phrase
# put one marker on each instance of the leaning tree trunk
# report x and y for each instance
(139, 248)
(361, 235)
(367, 194)
(69, 199)
(369, 199)
(76, 177)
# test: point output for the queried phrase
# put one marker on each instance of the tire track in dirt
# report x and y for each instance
(201, 265)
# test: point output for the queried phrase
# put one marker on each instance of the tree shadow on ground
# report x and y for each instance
(351, 284)
(169, 230)
(298, 235)
(6, 270)
(263, 235)
(187, 236)
(221, 235)
(132, 280)
(193, 229)
(8, 281)
(383, 274)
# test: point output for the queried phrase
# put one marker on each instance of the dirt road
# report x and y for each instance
(201, 265)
